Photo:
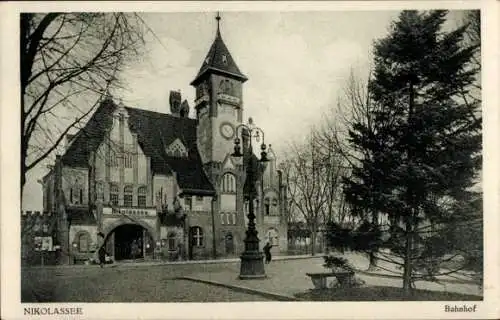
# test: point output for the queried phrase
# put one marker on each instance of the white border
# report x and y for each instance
(9, 159)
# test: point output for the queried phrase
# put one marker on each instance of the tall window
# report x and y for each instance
(127, 196)
(188, 203)
(113, 194)
(266, 205)
(83, 242)
(275, 206)
(99, 191)
(141, 197)
(197, 236)
(171, 239)
(226, 87)
(128, 160)
(113, 159)
(228, 183)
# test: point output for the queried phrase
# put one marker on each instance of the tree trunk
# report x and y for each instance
(373, 251)
(407, 260)
(313, 240)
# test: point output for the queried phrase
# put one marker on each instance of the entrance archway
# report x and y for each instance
(130, 242)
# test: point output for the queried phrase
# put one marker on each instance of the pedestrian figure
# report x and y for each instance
(134, 249)
(267, 252)
(102, 256)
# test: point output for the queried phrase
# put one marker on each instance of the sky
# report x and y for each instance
(297, 64)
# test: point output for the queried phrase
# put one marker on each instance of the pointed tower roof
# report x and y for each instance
(219, 60)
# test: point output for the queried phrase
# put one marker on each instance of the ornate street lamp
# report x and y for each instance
(252, 260)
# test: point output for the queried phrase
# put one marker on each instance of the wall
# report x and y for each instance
(166, 253)
(201, 219)
(75, 179)
(110, 223)
(224, 113)
(165, 190)
(129, 167)
(74, 232)
(228, 202)
(203, 204)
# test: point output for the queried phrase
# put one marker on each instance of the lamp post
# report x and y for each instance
(252, 262)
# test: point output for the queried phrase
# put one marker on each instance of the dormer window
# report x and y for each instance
(177, 149)
(224, 59)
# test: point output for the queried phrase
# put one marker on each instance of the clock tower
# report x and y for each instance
(218, 104)
(219, 109)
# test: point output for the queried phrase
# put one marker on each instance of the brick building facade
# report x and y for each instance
(152, 185)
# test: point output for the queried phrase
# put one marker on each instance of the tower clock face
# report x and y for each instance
(227, 130)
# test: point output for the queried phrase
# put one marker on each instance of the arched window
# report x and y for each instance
(127, 196)
(196, 236)
(171, 240)
(141, 197)
(228, 183)
(83, 242)
(113, 194)
(274, 209)
(266, 206)
(177, 149)
(99, 191)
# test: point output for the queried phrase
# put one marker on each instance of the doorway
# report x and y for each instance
(131, 242)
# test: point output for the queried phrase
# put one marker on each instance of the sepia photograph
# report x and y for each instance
(233, 155)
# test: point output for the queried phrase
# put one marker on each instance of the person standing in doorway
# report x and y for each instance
(133, 250)
(267, 252)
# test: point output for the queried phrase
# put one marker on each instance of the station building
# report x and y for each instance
(155, 185)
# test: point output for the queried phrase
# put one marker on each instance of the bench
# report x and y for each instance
(319, 279)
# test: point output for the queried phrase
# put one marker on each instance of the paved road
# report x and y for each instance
(158, 283)
(127, 284)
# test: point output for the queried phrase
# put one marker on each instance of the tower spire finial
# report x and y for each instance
(217, 17)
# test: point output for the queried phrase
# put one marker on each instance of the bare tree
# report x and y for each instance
(290, 190)
(312, 175)
(68, 62)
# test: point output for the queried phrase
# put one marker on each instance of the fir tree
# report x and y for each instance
(424, 142)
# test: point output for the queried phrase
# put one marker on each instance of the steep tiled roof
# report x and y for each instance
(219, 60)
(155, 131)
(90, 137)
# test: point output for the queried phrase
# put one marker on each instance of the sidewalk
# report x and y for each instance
(163, 263)
(286, 279)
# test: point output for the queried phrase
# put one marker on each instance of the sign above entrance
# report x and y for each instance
(140, 212)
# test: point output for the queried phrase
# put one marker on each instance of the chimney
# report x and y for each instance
(175, 100)
(184, 110)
